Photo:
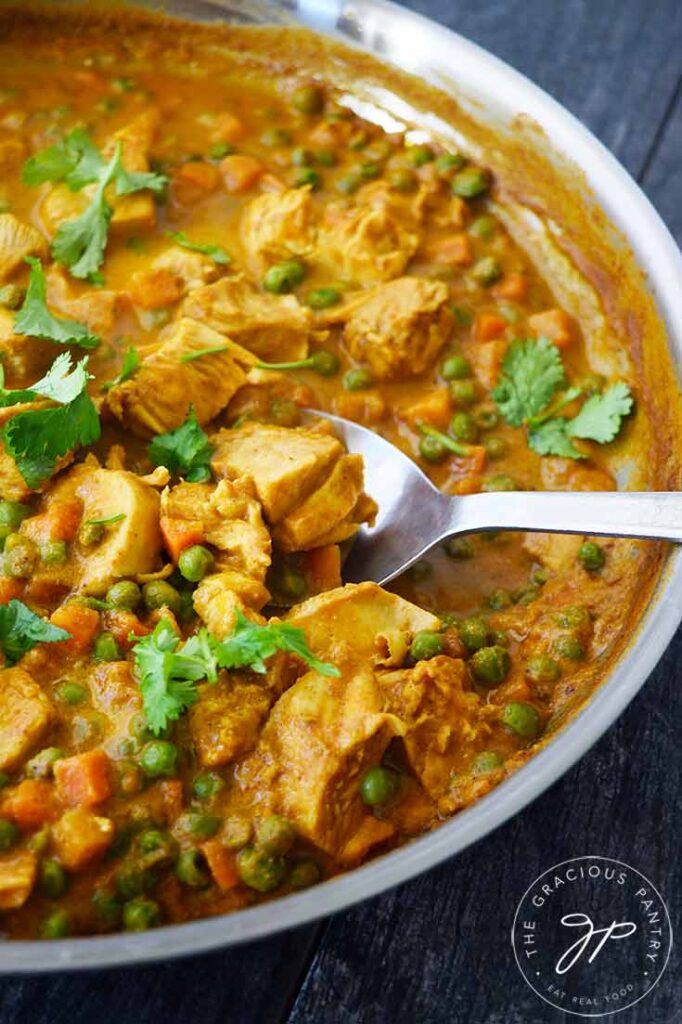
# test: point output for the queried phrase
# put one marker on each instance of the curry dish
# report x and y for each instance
(195, 713)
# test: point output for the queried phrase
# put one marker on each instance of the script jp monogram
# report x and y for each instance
(616, 930)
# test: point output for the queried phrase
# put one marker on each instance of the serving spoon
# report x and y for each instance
(414, 515)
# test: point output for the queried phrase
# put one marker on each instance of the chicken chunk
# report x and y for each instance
(286, 465)
(555, 551)
(366, 243)
(17, 877)
(439, 714)
(359, 623)
(24, 359)
(401, 327)
(17, 241)
(25, 714)
(97, 308)
(220, 595)
(170, 277)
(321, 736)
(225, 722)
(325, 510)
(277, 226)
(273, 327)
(158, 398)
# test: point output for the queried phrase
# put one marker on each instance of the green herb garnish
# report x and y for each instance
(21, 629)
(131, 363)
(217, 254)
(189, 357)
(185, 451)
(108, 521)
(36, 320)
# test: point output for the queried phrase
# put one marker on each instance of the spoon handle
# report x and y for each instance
(656, 516)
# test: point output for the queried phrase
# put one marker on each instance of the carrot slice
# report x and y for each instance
(78, 620)
(553, 324)
(240, 172)
(179, 534)
(84, 780)
(322, 566)
(31, 804)
(488, 327)
(156, 289)
(222, 864)
(513, 287)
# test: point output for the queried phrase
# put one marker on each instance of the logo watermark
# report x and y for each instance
(592, 936)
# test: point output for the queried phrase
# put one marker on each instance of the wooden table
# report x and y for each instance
(437, 950)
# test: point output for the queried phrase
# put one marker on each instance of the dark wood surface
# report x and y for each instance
(437, 950)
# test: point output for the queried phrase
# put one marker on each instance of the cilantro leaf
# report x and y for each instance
(551, 438)
(135, 181)
(185, 451)
(251, 643)
(214, 251)
(74, 160)
(532, 372)
(36, 320)
(601, 415)
(21, 629)
(131, 362)
(80, 243)
(37, 439)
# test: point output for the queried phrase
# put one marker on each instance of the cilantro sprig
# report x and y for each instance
(36, 439)
(80, 243)
(168, 669)
(532, 375)
(36, 320)
(185, 451)
(217, 254)
(21, 629)
(129, 366)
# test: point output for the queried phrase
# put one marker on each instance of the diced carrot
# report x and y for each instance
(31, 804)
(78, 620)
(454, 249)
(9, 589)
(122, 624)
(361, 406)
(84, 780)
(486, 361)
(79, 837)
(435, 409)
(60, 521)
(193, 181)
(322, 567)
(156, 289)
(240, 172)
(513, 287)
(488, 327)
(222, 863)
(227, 128)
(554, 324)
(465, 470)
(179, 534)
(172, 798)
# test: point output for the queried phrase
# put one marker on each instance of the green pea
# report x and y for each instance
(495, 447)
(543, 669)
(402, 180)
(20, 557)
(325, 363)
(491, 665)
(129, 776)
(105, 648)
(419, 155)
(195, 562)
(323, 298)
(304, 874)
(91, 534)
(124, 594)
(53, 552)
(463, 427)
(273, 137)
(140, 914)
(483, 227)
(455, 368)
(284, 277)
(471, 182)
(485, 762)
(56, 925)
(463, 392)
(41, 764)
(9, 833)
(379, 786)
(13, 513)
(160, 594)
(349, 183)
(500, 599)
(106, 908)
(357, 379)
(569, 647)
(260, 870)
(275, 834)
(432, 449)
(190, 869)
(486, 419)
(54, 880)
(521, 718)
(448, 162)
(591, 556)
(486, 271)
(573, 617)
(325, 157)
(459, 547)
(133, 880)
(207, 785)
(306, 176)
(474, 633)
(159, 758)
(221, 149)
(198, 824)
(369, 170)
(156, 848)
(501, 482)
(526, 595)
(426, 644)
(539, 576)
(308, 99)
(11, 295)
